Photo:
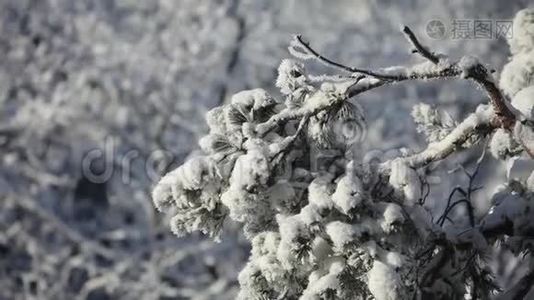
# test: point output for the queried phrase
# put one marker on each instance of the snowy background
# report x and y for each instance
(99, 98)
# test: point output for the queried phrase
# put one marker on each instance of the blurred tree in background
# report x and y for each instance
(99, 98)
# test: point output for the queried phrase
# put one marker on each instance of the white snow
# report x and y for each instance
(466, 65)
(315, 288)
(522, 39)
(250, 170)
(319, 192)
(162, 195)
(265, 243)
(340, 233)
(384, 282)
(405, 179)
(523, 101)
(320, 249)
(501, 143)
(264, 248)
(433, 124)
(254, 99)
(426, 67)
(530, 182)
(348, 193)
(293, 230)
(215, 120)
(318, 284)
(518, 73)
(281, 195)
(394, 259)
(291, 76)
(424, 114)
(309, 214)
(193, 173)
(392, 216)
(289, 226)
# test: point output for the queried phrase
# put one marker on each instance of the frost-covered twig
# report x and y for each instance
(418, 47)
(437, 68)
(305, 46)
(317, 102)
(478, 122)
(472, 69)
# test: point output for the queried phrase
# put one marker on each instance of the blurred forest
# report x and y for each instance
(98, 98)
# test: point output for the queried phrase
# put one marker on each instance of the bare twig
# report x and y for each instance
(331, 63)
(418, 47)
(288, 141)
(467, 205)
(443, 217)
(465, 193)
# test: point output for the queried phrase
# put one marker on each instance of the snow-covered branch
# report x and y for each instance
(477, 124)
(325, 224)
(437, 67)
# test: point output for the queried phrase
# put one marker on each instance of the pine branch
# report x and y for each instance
(478, 123)
(437, 67)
